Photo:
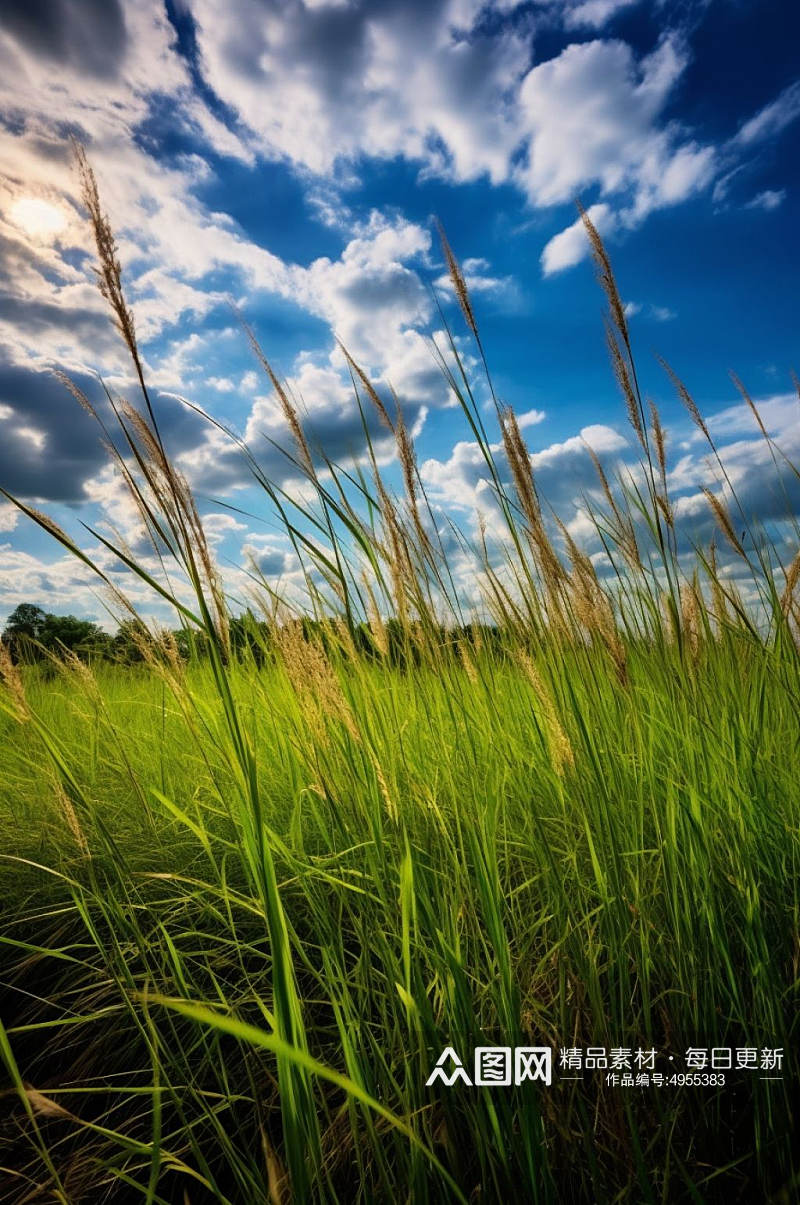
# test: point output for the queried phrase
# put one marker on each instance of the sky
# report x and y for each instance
(289, 161)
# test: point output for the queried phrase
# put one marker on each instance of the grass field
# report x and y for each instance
(250, 897)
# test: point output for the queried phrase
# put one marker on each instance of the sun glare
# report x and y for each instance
(39, 219)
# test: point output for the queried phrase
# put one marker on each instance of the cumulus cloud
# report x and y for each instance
(66, 453)
(456, 87)
(571, 245)
(756, 491)
(562, 471)
(319, 86)
(433, 83)
(479, 279)
(530, 418)
(64, 584)
(591, 114)
(319, 83)
(174, 251)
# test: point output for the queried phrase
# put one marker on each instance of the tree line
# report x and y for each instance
(32, 635)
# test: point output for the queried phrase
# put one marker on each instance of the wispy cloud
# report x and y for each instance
(772, 119)
(769, 199)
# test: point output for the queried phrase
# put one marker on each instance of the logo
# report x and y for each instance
(495, 1067)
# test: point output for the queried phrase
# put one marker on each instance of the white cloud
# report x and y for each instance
(110, 493)
(773, 118)
(9, 515)
(561, 470)
(371, 293)
(602, 439)
(571, 245)
(594, 13)
(65, 585)
(219, 524)
(769, 199)
(594, 119)
(316, 84)
(32, 436)
(779, 413)
(591, 114)
(427, 82)
(566, 477)
(320, 85)
(479, 279)
(530, 418)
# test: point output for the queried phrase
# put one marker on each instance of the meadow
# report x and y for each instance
(251, 893)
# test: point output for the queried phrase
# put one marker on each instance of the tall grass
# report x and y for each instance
(250, 898)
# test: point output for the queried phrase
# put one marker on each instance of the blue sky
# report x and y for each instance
(294, 156)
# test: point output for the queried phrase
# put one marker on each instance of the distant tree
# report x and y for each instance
(80, 636)
(31, 632)
(25, 622)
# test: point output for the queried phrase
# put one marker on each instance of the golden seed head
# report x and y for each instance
(561, 754)
(459, 283)
(722, 515)
(313, 679)
(792, 578)
(109, 273)
(12, 680)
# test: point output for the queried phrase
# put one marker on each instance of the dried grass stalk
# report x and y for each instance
(109, 273)
(313, 680)
(12, 680)
(687, 399)
(561, 754)
(690, 614)
(792, 578)
(289, 411)
(722, 515)
(459, 284)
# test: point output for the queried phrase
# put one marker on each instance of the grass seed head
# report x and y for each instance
(288, 408)
(369, 389)
(722, 515)
(109, 273)
(688, 400)
(659, 440)
(313, 679)
(70, 815)
(622, 373)
(792, 578)
(459, 283)
(561, 754)
(690, 614)
(12, 680)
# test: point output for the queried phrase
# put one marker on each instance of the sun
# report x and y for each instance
(38, 218)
